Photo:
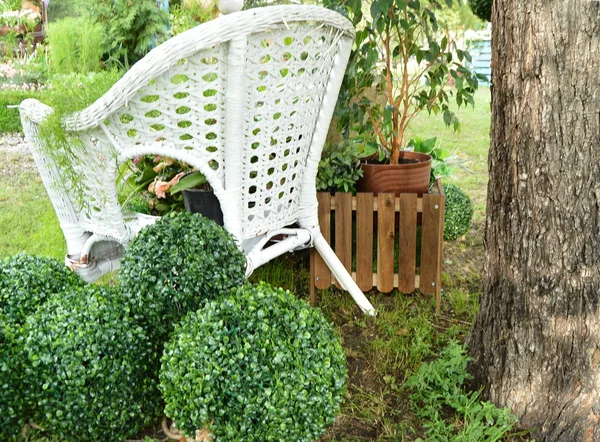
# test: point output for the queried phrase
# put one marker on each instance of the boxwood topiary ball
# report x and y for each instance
(458, 212)
(12, 398)
(173, 266)
(257, 365)
(87, 367)
(27, 281)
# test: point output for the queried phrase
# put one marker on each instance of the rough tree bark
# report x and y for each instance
(536, 338)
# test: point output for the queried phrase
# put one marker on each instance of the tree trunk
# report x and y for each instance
(536, 338)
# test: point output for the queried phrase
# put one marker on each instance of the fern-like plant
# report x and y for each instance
(76, 45)
(131, 28)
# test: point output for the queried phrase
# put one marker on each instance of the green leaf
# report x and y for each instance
(448, 117)
(189, 181)
(147, 175)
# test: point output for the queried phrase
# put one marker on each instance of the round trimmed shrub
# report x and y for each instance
(12, 397)
(256, 365)
(458, 212)
(173, 266)
(27, 281)
(87, 367)
(482, 9)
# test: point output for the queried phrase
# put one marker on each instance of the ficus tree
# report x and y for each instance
(403, 63)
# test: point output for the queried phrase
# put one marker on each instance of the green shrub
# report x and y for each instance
(10, 119)
(75, 45)
(458, 212)
(59, 9)
(12, 397)
(26, 282)
(482, 9)
(257, 365)
(87, 367)
(438, 386)
(131, 28)
(173, 266)
(339, 168)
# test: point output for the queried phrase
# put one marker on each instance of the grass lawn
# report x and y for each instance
(382, 352)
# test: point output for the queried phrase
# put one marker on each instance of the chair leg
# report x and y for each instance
(341, 274)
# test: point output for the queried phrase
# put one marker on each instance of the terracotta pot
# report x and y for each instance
(412, 176)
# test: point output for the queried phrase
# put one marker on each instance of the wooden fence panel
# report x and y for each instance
(364, 241)
(385, 242)
(407, 243)
(431, 207)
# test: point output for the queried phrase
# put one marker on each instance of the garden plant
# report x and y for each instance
(403, 63)
(174, 266)
(87, 367)
(256, 365)
(458, 212)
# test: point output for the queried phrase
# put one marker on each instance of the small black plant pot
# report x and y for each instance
(203, 202)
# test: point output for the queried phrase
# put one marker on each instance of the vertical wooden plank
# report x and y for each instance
(433, 206)
(343, 229)
(364, 241)
(385, 242)
(438, 285)
(407, 243)
(313, 288)
(322, 274)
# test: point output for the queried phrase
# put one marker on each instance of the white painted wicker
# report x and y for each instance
(247, 99)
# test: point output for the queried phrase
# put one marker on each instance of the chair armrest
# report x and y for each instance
(34, 110)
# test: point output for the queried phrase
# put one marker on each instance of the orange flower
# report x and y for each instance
(159, 187)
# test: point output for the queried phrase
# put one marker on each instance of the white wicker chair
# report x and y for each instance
(247, 99)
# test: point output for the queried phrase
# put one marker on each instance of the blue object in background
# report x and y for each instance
(481, 55)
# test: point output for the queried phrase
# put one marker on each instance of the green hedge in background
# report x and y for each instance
(10, 120)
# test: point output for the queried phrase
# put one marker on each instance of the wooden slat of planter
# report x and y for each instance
(374, 280)
(364, 241)
(376, 204)
(385, 242)
(322, 274)
(431, 247)
(407, 244)
(438, 291)
(343, 229)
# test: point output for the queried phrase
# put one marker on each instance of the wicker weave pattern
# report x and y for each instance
(247, 99)
(285, 83)
(183, 107)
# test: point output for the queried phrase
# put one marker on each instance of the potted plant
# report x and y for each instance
(164, 185)
(403, 63)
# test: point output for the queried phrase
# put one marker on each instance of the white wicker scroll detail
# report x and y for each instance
(247, 99)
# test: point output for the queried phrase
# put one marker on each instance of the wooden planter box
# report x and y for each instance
(354, 219)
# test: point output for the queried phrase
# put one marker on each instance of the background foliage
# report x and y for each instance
(482, 9)
(131, 28)
(76, 45)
